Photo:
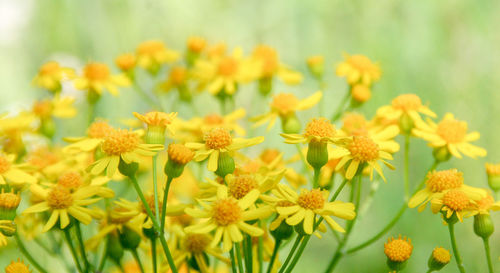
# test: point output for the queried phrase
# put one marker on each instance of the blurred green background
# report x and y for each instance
(445, 51)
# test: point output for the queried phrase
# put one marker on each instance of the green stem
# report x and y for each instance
(339, 189)
(290, 254)
(155, 190)
(104, 257)
(156, 225)
(406, 167)
(153, 254)
(456, 253)
(238, 256)
(274, 255)
(248, 254)
(82, 246)
(260, 254)
(164, 204)
(72, 249)
(233, 260)
(26, 254)
(487, 253)
(299, 253)
(394, 220)
(317, 172)
(137, 259)
(340, 107)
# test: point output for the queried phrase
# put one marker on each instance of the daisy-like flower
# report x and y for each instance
(317, 130)
(284, 106)
(97, 77)
(227, 216)
(269, 65)
(154, 53)
(454, 202)
(398, 251)
(178, 79)
(439, 258)
(14, 174)
(493, 173)
(486, 204)
(439, 182)
(303, 208)
(120, 144)
(196, 44)
(58, 107)
(404, 107)
(450, 134)
(157, 123)
(61, 203)
(17, 267)
(126, 62)
(367, 150)
(219, 141)
(12, 130)
(50, 76)
(96, 133)
(358, 69)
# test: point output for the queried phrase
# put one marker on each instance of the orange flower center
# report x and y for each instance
(492, 169)
(179, 153)
(361, 93)
(269, 58)
(407, 102)
(125, 61)
(4, 164)
(311, 199)
(398, 250)
(196, 44)
(452, 131)
(360, 62)
(320, 127)
(228, 66)
(284, 103)
(364, 149)
(70, 180)
(441, 255)
(17, 267)
(444, 180)
(60, 198)
(96, 71)
(9, 200)
(485, 203)
(355, 124)
(99, 129)
(196, 243)
(120, 141)
(49, 68)
(178, 75)
(456, 200)
(241, 185)
(218, 138)
(269, 155)
(226, 212)
(150, 47)
(213, 119)
(42, 108)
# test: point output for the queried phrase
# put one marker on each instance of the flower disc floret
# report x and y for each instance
(441, 255)
(226, 211)
(312, 199)
(99, 129)
(452, 131)
(96, 71)
(284, 103)
(59, 198)
(218, 138)
(438, 181)
(213, 119)
(398, 250)
(70, 180)
(179, 153)
(4, 164)
(228, 66)
(241, 185)
(407, 102)
(456, 200)
(120, 141)
(320, 127)
(17, 267)
(196, 242)
(363, 149)
(9, 200)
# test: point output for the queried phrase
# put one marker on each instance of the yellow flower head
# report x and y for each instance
(126, 61)
(157, 122)
(227, 216)
(153, 53)
(97, 77)
(317, 130)
(284, 105)
(398, 250)
(50, 76)
(96, 133)
(9, 200)
(354, 124)
(269, 65)
(455, 202)
(179, 153)
(361, 93)
(316, 65)
(59, 107)
(196, 44)
(450, 134)
(358, 69)
(403, 109)
(17, 267)
(304, 207)
(492, 169)
(177, 78)
(441, 255)
(13, 174)
(487, 203)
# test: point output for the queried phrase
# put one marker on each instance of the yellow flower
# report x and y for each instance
(403, 107)
(284, 105)
(177, 78)
(316, 65)
(17, 267)
(120, 144)
(317, 130)
(439, 182)
(196, 44)
(450, 134)
(398, 250)
(153, 53)
(367, 150)
(454, 202)
(59, 107)
(97, 77)
(227, 216)
(304, 207)
(484, 205)
(269, 65)
(358, 69)
(219, 141)
(50, 76)
(96, 133)
(14, 174)
(361, 93)
(126, 61)
(156, 118)
(61, 202)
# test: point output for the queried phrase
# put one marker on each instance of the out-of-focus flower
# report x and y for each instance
(14, 174)
(96, 133)
(126, 62)
(154, 53)
(97, 77)
(454, 202)
(59, 107)
(51, 75)
(316, 65)
(361, 93)
(17, 267)
(358, 69)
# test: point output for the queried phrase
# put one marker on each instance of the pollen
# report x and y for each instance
(452, 131)
(228, 66)
(438, 181)
(60, 198)
(355, 124)
(456, 200)
(407, 102)
(4, 164)
(49, 68)
(9, 200)
(320, 127)
(284, 103)
(226, 212)
(178, 75)
(441, 255)
(120, 141)
(364, 149)
(96, 71)
(42, 108)
(99, 129)
(269, 155)
(311, 199)
(150, 47)
(179, 153)
(241, 185)
(218, 138)
(398, 250)
(70, 180)
(17, 267)
(196, 243)
(491, 169)
(196, 44)
(213, 119)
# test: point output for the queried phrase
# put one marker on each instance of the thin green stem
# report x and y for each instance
(317, 172)
(137, 259)
(156, 225)
(394, 220)
(488, 254)
(233, 260)
(28, 256)
(248, 254)
(260, 253)
(456, 253)
(290, 254)
(406, 167)
(339, 189)
(153, 254)
(336, 115)
(277, 245)
(238, 256)
(41, 244)
(164, 204)
(299, 253)
(155, 190)
(81, 244)
(104, 257)
(72, 249)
